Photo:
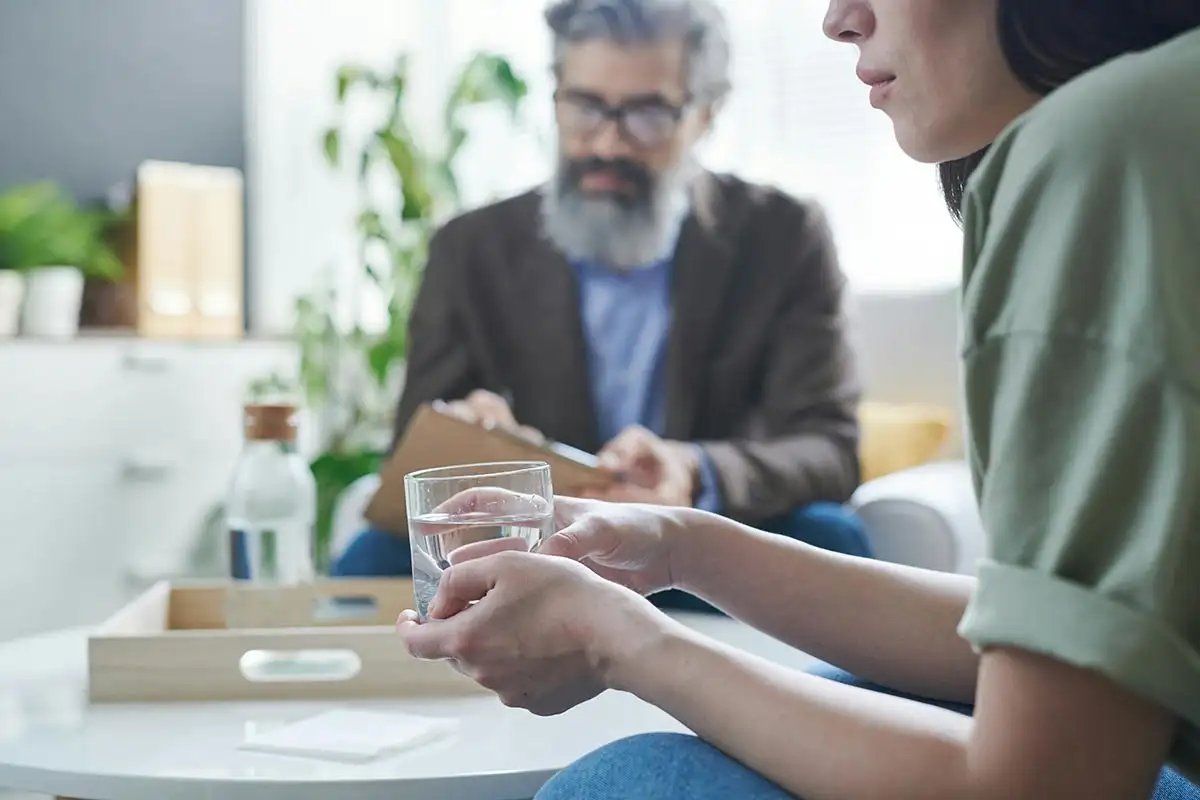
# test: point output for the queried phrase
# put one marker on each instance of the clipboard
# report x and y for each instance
(433, 439)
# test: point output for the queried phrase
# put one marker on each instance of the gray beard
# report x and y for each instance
(604, 231)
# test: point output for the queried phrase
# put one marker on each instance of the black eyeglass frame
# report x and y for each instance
(622, 114)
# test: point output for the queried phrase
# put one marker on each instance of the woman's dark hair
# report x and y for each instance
(1049, 42)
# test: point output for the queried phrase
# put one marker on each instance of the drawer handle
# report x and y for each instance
(299, 666)
(139, 470)
(137, 362)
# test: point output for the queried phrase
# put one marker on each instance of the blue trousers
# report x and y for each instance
(827, 525)
(664, 766)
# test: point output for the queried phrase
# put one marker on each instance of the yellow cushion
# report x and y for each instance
(897, 436)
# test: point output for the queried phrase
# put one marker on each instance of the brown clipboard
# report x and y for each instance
(433, 439)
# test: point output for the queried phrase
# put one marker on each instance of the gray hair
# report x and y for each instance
(698, 23)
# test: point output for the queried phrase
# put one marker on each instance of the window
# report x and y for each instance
(797, 118)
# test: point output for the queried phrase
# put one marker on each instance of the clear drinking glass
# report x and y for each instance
(451, 507)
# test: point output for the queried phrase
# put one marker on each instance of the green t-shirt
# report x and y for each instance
(1081, 348)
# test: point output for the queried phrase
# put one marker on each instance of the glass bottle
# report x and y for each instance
(271, 506)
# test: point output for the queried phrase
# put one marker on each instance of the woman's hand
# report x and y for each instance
(633, 545)
(541, 632)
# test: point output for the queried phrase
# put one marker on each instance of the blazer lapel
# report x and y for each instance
(558, 352)
(702, 271)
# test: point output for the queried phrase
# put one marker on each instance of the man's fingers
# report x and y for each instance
(626, 445)
(636, 455)
(492, 409)
(479, 408)
(609, 461)
(532, 435)
(463, 584)
(457, 409)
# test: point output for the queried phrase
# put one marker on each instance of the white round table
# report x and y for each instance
(53, 742)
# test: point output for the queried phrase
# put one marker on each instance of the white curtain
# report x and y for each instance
(797, 118)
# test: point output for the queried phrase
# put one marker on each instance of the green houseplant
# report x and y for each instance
(47, 239)
(349, 377)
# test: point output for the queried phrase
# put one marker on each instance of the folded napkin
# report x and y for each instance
(349, 736)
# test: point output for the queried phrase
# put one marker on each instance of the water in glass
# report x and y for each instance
(521, 509)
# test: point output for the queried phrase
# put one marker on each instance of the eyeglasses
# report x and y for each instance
(647, 123)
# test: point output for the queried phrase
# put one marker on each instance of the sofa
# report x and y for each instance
(917, 502)
(924, 516)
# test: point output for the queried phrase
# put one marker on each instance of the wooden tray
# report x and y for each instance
(332, 640)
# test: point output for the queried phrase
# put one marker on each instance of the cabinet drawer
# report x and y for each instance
(63, 547)
(57, 398)
(190, 395)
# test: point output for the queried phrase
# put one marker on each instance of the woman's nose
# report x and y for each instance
(849, 21)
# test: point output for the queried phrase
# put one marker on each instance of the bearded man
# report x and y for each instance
(686, 326)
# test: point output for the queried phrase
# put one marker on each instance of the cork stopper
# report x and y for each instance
(273, 422)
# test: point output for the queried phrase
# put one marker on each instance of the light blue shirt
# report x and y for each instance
(626, 324)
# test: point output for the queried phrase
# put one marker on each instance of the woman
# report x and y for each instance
(1079, 644)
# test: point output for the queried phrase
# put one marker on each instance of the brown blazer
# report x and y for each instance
(759, 371)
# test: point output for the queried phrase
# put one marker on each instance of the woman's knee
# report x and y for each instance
(617, 769)
(658, 765)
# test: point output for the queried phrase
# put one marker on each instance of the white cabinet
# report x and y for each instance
(112, 451)
(60, 564)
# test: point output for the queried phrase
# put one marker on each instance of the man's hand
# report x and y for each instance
(653, 470)
(489, 410)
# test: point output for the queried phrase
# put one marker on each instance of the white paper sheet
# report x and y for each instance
(351, 736)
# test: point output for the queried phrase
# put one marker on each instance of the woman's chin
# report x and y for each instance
(920, 146)
(933, 144)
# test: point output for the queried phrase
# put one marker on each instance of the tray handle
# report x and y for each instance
(316, 665)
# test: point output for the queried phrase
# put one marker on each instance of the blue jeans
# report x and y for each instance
(375, 553)
(664, 766)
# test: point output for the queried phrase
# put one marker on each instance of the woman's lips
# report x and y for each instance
(880, 92)
(879, 81)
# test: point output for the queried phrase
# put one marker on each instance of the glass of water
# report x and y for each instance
(452, 507)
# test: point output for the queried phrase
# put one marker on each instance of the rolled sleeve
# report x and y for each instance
(1089, 480)
(1025, 608)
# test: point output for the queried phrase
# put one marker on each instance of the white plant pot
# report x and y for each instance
(53, 296)
(12, 289)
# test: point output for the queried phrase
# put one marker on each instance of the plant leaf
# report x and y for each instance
(347, 77)
(331, 145)
(410, 168)
(370, 226)
(42, 226)
(381, 356)
(393, 249)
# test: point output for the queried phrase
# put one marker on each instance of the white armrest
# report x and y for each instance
(348, 512)
(924, 517)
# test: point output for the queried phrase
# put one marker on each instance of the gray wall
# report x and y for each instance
(90, 88)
